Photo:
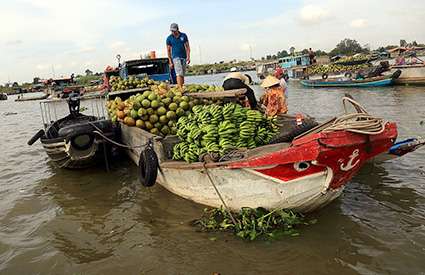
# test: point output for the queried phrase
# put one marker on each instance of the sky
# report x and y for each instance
(47, 38)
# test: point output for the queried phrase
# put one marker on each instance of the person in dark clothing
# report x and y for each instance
(311, 56)
(240, 81)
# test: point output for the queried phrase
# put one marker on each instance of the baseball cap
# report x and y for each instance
(174, 27)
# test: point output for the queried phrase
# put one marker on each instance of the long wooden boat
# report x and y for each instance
(410, 74)
(304, 174)
(378, 81)
(41, 97)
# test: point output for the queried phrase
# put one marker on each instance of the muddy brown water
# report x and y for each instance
(56, 221)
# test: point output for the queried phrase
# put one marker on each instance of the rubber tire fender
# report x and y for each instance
(325, 76)
(348, 75)
(37, 135)
(396, 74)
(148, 167)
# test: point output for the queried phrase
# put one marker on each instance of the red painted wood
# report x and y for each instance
(336, 150)
(287, 172)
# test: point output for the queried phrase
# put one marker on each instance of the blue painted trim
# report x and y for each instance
(377, 83)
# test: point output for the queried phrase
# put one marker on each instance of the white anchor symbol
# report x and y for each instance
(350, 165)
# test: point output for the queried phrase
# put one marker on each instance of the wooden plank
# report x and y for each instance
(228, 93)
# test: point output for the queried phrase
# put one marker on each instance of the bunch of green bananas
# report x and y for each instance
(221, 129)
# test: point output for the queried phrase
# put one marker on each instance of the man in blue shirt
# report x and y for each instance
(178, 51)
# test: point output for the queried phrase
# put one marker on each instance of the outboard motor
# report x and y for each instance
(74, 104)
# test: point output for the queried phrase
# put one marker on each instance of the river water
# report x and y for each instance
(92, 222)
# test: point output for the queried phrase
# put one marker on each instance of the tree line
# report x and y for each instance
(346, 46)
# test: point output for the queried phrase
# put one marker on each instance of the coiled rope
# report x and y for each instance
(361, 122)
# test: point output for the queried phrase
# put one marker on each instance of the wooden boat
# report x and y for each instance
(305, 174)
(73, 141)
(41, 97)
(410, 74)
(378, 81)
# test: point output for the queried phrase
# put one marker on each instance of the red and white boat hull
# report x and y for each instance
(249, 188)
(307, 175)
(304, 175)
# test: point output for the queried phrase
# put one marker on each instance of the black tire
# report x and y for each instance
(325, 76)
(148, 167)
(306, 77)
(38, 135)
(84, 146)
(348, 75)
(396, 74)
(298, 130)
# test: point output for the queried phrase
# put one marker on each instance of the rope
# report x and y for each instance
(360, 122)
(219, 195)
(100, 133)
(234, 155)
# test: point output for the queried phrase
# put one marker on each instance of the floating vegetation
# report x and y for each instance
(252, 223)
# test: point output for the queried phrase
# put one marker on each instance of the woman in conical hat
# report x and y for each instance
(273, 100)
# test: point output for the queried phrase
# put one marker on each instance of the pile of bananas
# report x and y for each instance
(334, 68)
(359, 57)
(219, 129)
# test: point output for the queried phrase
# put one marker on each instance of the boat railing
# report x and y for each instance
(54, 109)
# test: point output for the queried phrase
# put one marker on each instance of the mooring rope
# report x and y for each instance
(100, 133)
(360, 122)
(219, 195)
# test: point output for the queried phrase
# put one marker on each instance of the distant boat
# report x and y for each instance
(378, 81)
(41, 97)
(411, 74)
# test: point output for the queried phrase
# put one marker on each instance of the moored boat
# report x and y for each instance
(33, 98)
(304, 174)
(73, 141)
(378, 81)
(410, 74)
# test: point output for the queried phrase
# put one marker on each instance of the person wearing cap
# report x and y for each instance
(178, 51)
(237, 80)
(273, 99)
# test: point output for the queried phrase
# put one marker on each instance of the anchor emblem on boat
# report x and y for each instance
(350, 165)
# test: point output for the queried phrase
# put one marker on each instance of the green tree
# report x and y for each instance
(347, 47)
(282, 53)
(320, 53)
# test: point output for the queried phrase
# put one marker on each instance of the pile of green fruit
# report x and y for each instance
(357, 58)
(119, 84)
(196, 88)
(334, 68)
(219, 129)
(156, 113)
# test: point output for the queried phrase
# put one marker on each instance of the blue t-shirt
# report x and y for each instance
(177, 45)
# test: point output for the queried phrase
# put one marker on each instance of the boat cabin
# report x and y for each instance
(295, 65)
(265, 68)
(156, 69)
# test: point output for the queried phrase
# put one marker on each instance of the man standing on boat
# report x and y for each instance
(178, 51)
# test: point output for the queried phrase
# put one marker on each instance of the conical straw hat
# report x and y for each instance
(270, 81)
